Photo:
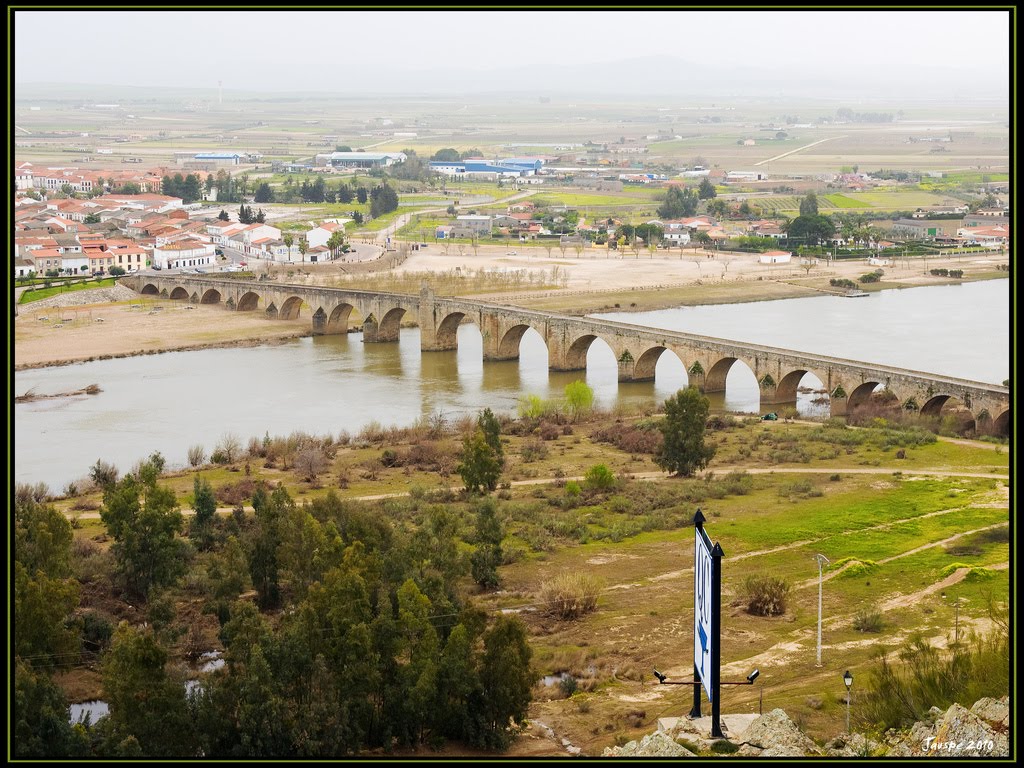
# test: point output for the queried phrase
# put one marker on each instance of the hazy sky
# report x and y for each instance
(322, 50)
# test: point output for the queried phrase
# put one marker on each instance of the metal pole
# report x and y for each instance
(716, 632)
(849, 695)
(820, 558)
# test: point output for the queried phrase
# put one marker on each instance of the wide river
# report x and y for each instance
(326, 384)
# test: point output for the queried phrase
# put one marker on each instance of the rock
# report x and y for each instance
(993, 711)
(654, 745)
(958, 732)
(776, 734)
(855, 745)
(968, 735)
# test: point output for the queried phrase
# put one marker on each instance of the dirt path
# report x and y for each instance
(799, 149)
(905, 601)
(658, 476)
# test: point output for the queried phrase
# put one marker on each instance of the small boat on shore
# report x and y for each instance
(855, 293)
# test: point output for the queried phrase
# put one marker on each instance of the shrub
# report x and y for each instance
(765, 595)
(900, 694)
(599, 478)
(196, 455)
(533, 450)
(569, 595)
(868, 620)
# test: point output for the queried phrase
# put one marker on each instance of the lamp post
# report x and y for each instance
(848, 679)
(821, 559)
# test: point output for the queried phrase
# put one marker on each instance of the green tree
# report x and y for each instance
(506, 677)
(684, 450)
(288, 238)
(383, 199)
(809, 205)
(579, 396)
(117, 271)
(491, 427)
(145, 703)
(303, 246)
(446, 155)
(480, 467)
(40, 726)
(264, 193)
(486, 557)
(92, 218)
(205, 505)
(143, 519)
(223, 215)
(191, 188)
(263, 555)
(706, 190)
(679, 202)
(43, 606)
(362, 195)
(335, 241)
(811, 228)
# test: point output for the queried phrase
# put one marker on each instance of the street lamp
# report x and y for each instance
(848, 679)
(821, 559)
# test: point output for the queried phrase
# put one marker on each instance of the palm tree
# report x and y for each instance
(303, 247)
(334, 242)
(288, 238)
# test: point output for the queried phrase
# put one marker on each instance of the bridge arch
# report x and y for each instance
(179, 293)
(576, 354)
(290, 309)
(1001, 424)
(337, 320)
(150, 290)
(248, 301)
(447, 331)
(647, 363)
(861, 394)
(391, 325)
(508, 347)
(210, 296)
(715, 376)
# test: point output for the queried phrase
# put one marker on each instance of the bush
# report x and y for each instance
(196, 455)
(899, 694)
(868, 620)
(765, 595)
(569, 595)
(599, 478)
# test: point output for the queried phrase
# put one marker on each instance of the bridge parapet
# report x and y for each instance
(636, 348)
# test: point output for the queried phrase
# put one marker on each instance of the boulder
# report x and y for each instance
(778, 736)
(654, 745)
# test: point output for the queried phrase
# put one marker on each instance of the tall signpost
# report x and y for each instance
(707, 623)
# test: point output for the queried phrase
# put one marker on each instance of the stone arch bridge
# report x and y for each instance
(636, 348)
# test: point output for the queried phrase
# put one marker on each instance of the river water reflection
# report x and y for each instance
(326, 384)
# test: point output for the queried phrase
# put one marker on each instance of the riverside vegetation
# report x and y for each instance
(365, 601)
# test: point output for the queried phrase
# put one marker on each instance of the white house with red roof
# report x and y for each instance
(321, 234)
(188, 252)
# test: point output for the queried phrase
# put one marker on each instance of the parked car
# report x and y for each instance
(773, 416)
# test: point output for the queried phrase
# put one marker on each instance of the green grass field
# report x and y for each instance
(45, 293)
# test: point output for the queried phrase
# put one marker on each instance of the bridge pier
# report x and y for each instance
(319, 322)
(378, 333)
(272, 312)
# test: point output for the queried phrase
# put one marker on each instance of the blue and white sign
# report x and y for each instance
(702, 583)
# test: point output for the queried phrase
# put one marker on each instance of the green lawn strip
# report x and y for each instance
(45, 293)
(761, 520)
(870, 547)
